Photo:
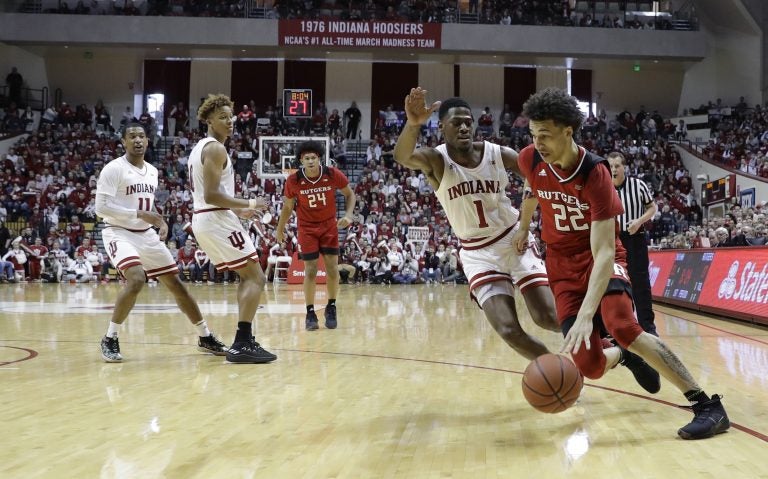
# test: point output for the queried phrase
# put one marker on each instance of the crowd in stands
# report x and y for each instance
(504, 12)
(47, 213)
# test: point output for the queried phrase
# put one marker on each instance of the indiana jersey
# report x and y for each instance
(195, 165)
(316, 197)
(571, 201)
(475, 199)
(130, 187)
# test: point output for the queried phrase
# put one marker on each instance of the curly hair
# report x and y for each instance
(309, 147)
(454, 102)
(556, 105)
(213, 103)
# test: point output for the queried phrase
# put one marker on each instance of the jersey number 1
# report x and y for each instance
(480, 214)
(144, 204)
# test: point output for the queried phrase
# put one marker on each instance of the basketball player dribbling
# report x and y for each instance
(217, 227)
(470, 179)
(125, 196)
(312, 190)
(587, 264)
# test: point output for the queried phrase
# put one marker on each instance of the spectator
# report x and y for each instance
(15, 82)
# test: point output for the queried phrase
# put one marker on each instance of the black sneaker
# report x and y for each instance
(248, 352)
(646, 376)
(110, 350)
(211, 344)
(330, 316)
(311, 321)
(709, 418)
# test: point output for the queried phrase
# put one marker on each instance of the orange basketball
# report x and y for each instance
(552, 383)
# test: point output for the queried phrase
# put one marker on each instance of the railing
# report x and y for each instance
(714, 159)
(37, 98)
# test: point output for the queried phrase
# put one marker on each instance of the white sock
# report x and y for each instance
(112, 331)
(202, 329)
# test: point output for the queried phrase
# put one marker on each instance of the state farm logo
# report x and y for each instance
(751, 285)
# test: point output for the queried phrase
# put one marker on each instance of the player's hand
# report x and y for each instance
(163, 233)
(258, 204)
(520, 240)
(578, 334)
(244, 213)
(416, 109)
(343, 222)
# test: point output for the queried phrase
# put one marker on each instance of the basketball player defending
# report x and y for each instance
(470, 179)
(217, 227)
(125, 196)
(586, 263)
(312, 189)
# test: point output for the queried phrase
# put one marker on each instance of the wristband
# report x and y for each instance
(253, 203)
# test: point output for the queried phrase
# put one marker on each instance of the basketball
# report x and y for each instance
(552, 383)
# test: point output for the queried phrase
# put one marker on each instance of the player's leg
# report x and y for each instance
(530, 275)
(332, 285)
(126, 299)
(541, 306)
(309, 248)
(498, 304)
(245, 349)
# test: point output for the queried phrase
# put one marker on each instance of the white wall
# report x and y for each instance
(615, 88)
(482, 86)
(31, 66)
(437, 79)
(345, 82)
(732, 69)
(110, 75)
(551, 77)
(214, 76)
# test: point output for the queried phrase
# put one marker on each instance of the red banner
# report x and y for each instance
(296, 271)
(330, 33)
(732, 282)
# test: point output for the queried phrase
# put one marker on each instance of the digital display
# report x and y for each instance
(718, 190)
(297, 102)
(686, 279)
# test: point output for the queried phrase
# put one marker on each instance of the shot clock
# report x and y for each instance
(297, 102)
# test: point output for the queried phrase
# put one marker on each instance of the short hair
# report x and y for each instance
(454, 102)
(617, 154)
(556, 105)
(213, 103)
(310, 146)
(129, 125)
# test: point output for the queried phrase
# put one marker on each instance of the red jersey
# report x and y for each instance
(571, 201)
(315, 198)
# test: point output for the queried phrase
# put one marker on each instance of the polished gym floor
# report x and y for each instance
(413, 384)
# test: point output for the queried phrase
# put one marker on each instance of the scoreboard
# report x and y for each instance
(718, 191)
(297, 102)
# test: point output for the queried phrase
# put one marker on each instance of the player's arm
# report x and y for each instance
(424, 159)
(214, 158)
(602, 239)
(349, 205)
(510, 159)
(527, 208)
(285, 214)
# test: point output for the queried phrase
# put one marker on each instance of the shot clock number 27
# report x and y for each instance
(297, 102)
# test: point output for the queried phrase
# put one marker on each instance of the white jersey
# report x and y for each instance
(130, 187)
(195, 166)
(475, 199)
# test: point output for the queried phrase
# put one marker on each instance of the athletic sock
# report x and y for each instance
(202, 329)
(696, 396)
(244, 331)
(112, 330)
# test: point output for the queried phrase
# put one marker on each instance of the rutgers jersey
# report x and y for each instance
(315, 198)
(475, 199)
(130, 187)
(195, 165)
(571, 201)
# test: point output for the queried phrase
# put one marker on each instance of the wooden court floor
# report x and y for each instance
(413, 384)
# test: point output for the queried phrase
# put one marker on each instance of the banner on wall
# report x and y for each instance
(296, 271)
(732, 282)
(747, 198)
(329, 33)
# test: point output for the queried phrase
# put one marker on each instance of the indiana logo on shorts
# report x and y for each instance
(237, 239)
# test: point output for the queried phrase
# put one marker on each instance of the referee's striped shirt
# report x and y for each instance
(635, 195)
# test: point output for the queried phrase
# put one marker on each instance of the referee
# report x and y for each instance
(639, 208)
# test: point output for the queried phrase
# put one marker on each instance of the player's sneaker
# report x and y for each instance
(249, 352)
(330, 316)
(645, 375)
(311, 322)
(211, 344)
(110, 350)
(709, 418)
